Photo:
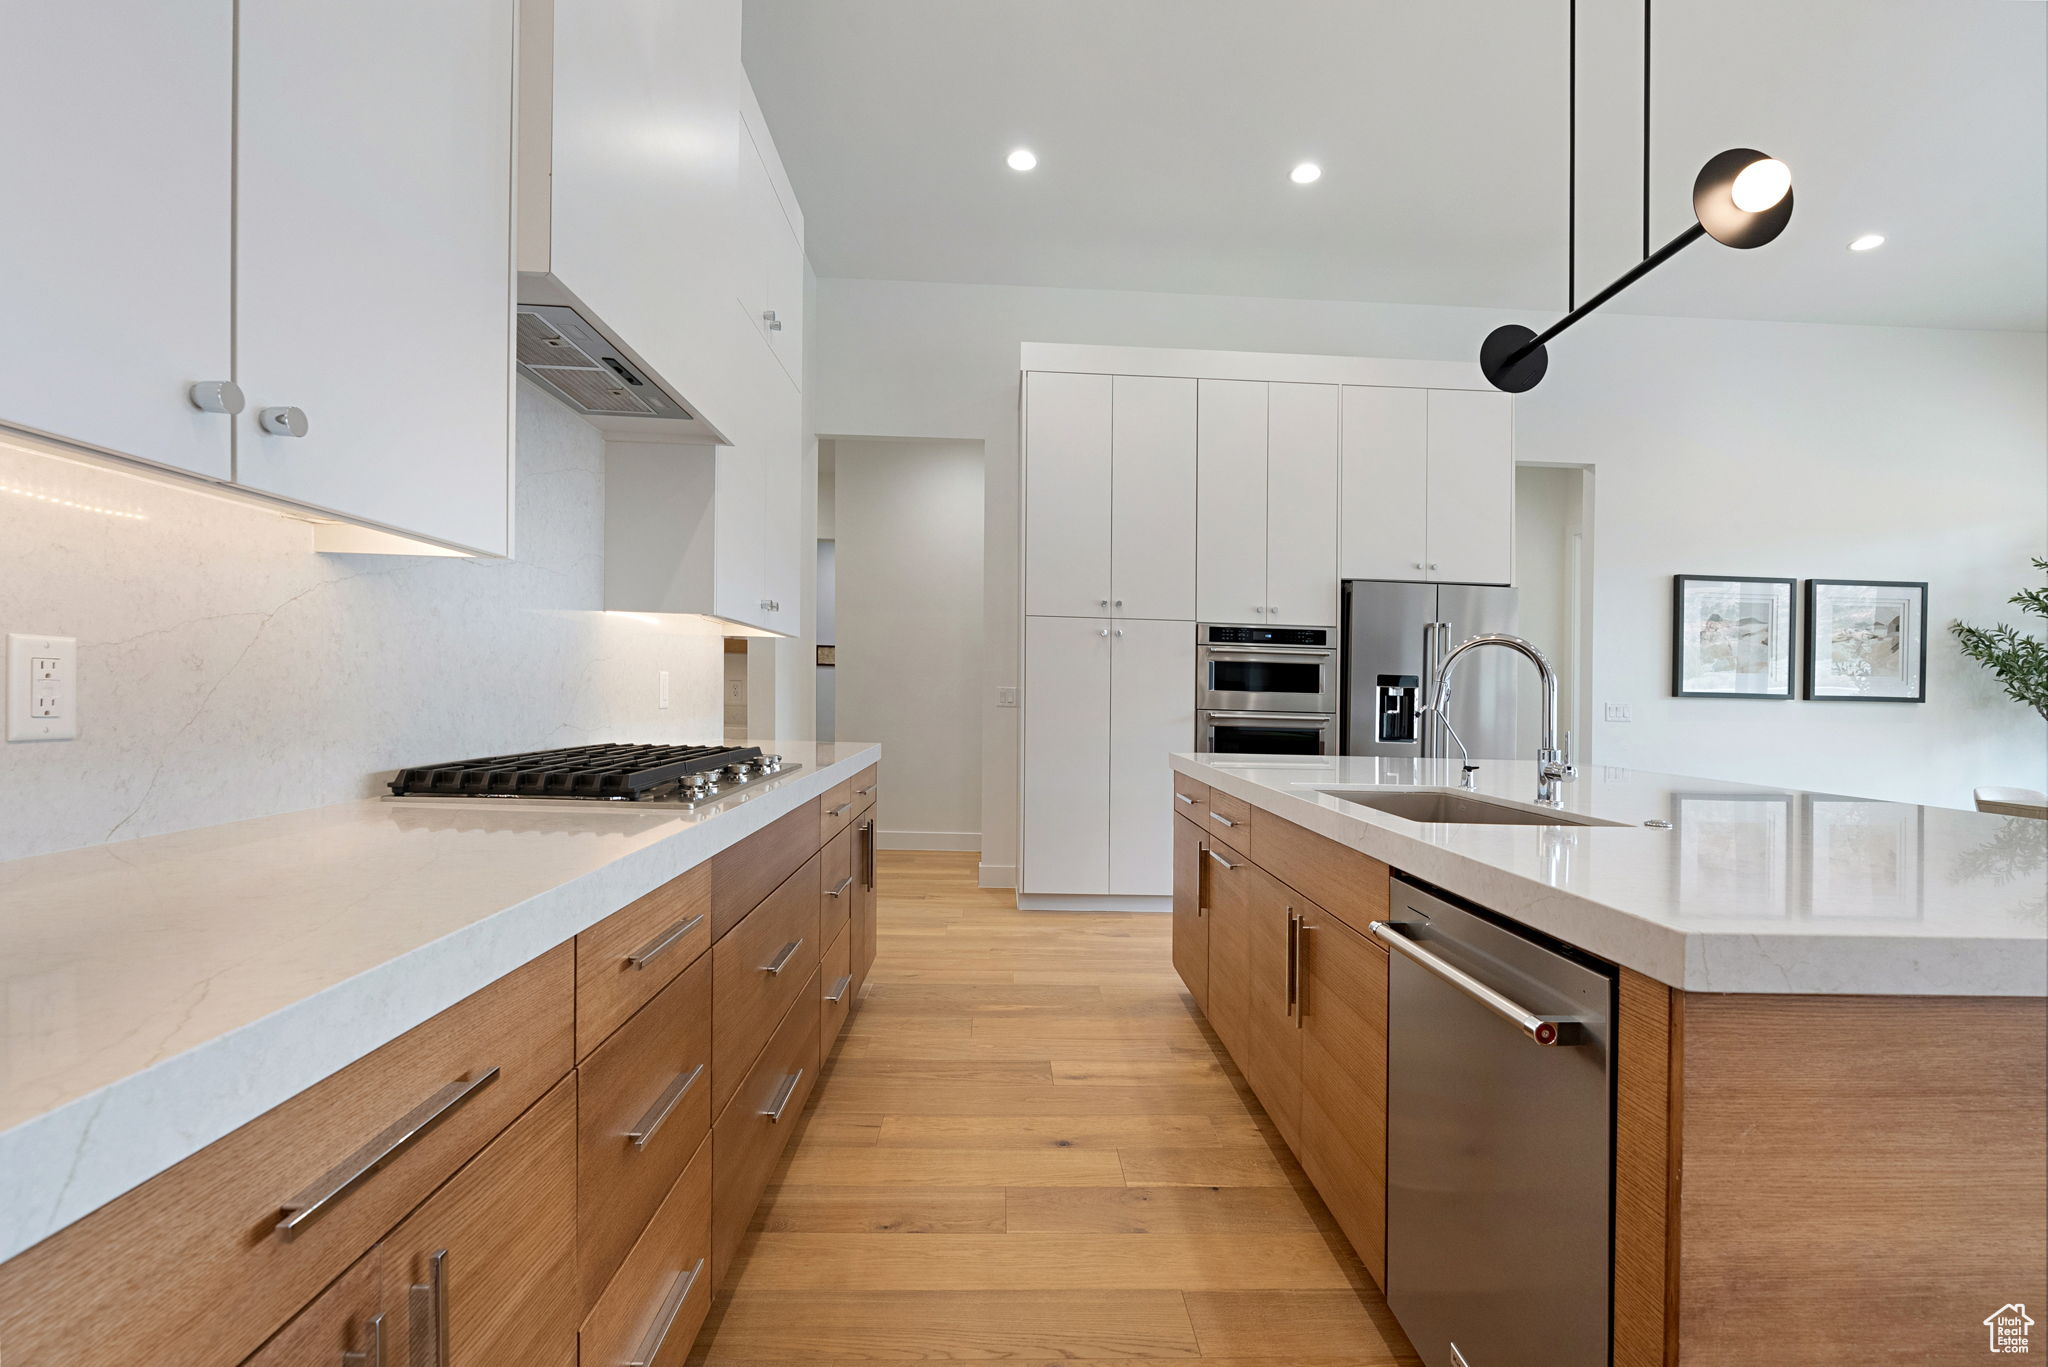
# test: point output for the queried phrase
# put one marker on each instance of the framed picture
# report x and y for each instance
(1866, 641)
(828, 655)
(1731, 637)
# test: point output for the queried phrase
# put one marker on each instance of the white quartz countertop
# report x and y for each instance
(1751, 889)
(156, 994)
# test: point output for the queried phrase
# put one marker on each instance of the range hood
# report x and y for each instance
(561, 352)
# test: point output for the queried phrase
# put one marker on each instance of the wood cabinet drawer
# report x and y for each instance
(193, 1268)
(349, 1317)
(1344, 1082)
(752, 1131)
(835, 885)
(1228, 817)
(756, 972)
(488, 1265)
(1190, 798)
(653, 1308)
(1349, 885)
(867, 785)
(645, 1107)
(835, 988)
(623, 960)
(835, 810)
(747, 872)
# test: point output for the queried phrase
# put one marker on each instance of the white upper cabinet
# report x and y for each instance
(1429, 485)
(770, 277)
(1230, 576)
(1471, 487)
(116, 239)
(1152, 497)
(1386, 484)
(1301, 504)
(1066, 495)
(373, 258)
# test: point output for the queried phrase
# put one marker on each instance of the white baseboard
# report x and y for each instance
(928, 840)
(998, 875)
(1059, 902)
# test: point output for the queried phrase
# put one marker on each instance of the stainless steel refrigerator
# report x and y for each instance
(1396, 636)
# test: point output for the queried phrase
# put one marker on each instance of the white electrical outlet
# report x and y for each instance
(1617, 711)
(1006, 697)
(42, 687)
(661, 688)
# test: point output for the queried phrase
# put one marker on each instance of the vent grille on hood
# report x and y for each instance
(571, 359)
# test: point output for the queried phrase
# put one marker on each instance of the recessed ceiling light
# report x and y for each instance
(1308, 173)
(1023, 159)
(1867, 242)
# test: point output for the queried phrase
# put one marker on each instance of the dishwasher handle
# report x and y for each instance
(1546, 1030)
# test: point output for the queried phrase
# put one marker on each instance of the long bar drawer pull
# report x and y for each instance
(842, 809)
(1219, 859)
(662, 943)
(782, 960)
(839, 988)
(1224, 819)
(782, 1096)
(665, 1318)
(1541, 1029)
(844, 884)
(429, 1307)
(664, 1106)
(372, 1356)
(863, 792)
(315, 1201)
(1183, 797)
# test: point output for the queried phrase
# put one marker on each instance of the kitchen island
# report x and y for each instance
(1827, 1044)
(233, 1058)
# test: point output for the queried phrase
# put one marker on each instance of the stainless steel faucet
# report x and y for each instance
(1553, 765)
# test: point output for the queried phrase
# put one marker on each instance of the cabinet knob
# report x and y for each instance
(1103, 632)
(1432, 564)
(217, 396)
(1119, 602)
(768, 317)
(1119, 631)
(1272, 611)
(1102, 602)
(282, 422)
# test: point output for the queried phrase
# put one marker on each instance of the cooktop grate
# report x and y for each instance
(616, 772)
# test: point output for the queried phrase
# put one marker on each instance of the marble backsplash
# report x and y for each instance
(226, 670)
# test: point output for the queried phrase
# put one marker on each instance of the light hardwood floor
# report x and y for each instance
(1028, 1146)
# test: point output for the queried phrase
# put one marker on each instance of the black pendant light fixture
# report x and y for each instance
(1741, 198)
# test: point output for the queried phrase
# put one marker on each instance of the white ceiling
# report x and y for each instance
(1165, 130)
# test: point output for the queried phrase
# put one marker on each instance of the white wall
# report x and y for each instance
(908, 562)
(1547, 512)
(1718, 447)
(227, 671)
(828, 622)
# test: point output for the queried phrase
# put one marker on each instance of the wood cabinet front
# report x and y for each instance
(1343, 1006)
(623, 960)
(653, 1308)
(1273, 1025)
(835, 988)
(747, 872)
(1190, 916)
(754, 1128)
(348, 1318)
(484, 1273)
(645, 1107)
(757, 971)
(836, 878)
(1231, 910)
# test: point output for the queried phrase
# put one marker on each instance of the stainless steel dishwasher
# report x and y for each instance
(1499, 1140)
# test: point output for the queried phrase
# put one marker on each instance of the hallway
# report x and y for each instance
(1027, 1146)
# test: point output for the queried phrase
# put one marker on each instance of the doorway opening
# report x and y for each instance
(1554, 581)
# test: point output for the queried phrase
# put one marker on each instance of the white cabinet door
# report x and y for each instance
(1471, 487)
(1066, 494)
(116, 236)
(1384, 528)
(1301, 505)
(759, 216)
(1151, 715)
(1230, 577)
(373, 259)
(1152, 499)
(1067, 756)
(738, 562)
(781, 524)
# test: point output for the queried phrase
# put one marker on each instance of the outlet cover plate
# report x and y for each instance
(42, 687)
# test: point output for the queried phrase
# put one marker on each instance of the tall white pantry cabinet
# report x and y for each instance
(1164, 489)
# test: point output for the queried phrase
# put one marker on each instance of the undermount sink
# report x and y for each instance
(1443, 806)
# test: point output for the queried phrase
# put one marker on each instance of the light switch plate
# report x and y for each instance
(1617, 711)
(1006, 697)
(42, 687)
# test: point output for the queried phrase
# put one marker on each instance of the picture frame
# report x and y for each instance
(1732, 636)
(828, 656)
(1866, 640)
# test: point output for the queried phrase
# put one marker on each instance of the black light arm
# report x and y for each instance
(1513, 357)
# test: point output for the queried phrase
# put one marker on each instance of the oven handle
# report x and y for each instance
(1256, 651)
(1324, 717)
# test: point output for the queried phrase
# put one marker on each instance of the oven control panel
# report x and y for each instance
(1267, 636)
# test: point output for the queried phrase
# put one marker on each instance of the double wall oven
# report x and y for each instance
(1266, 690)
